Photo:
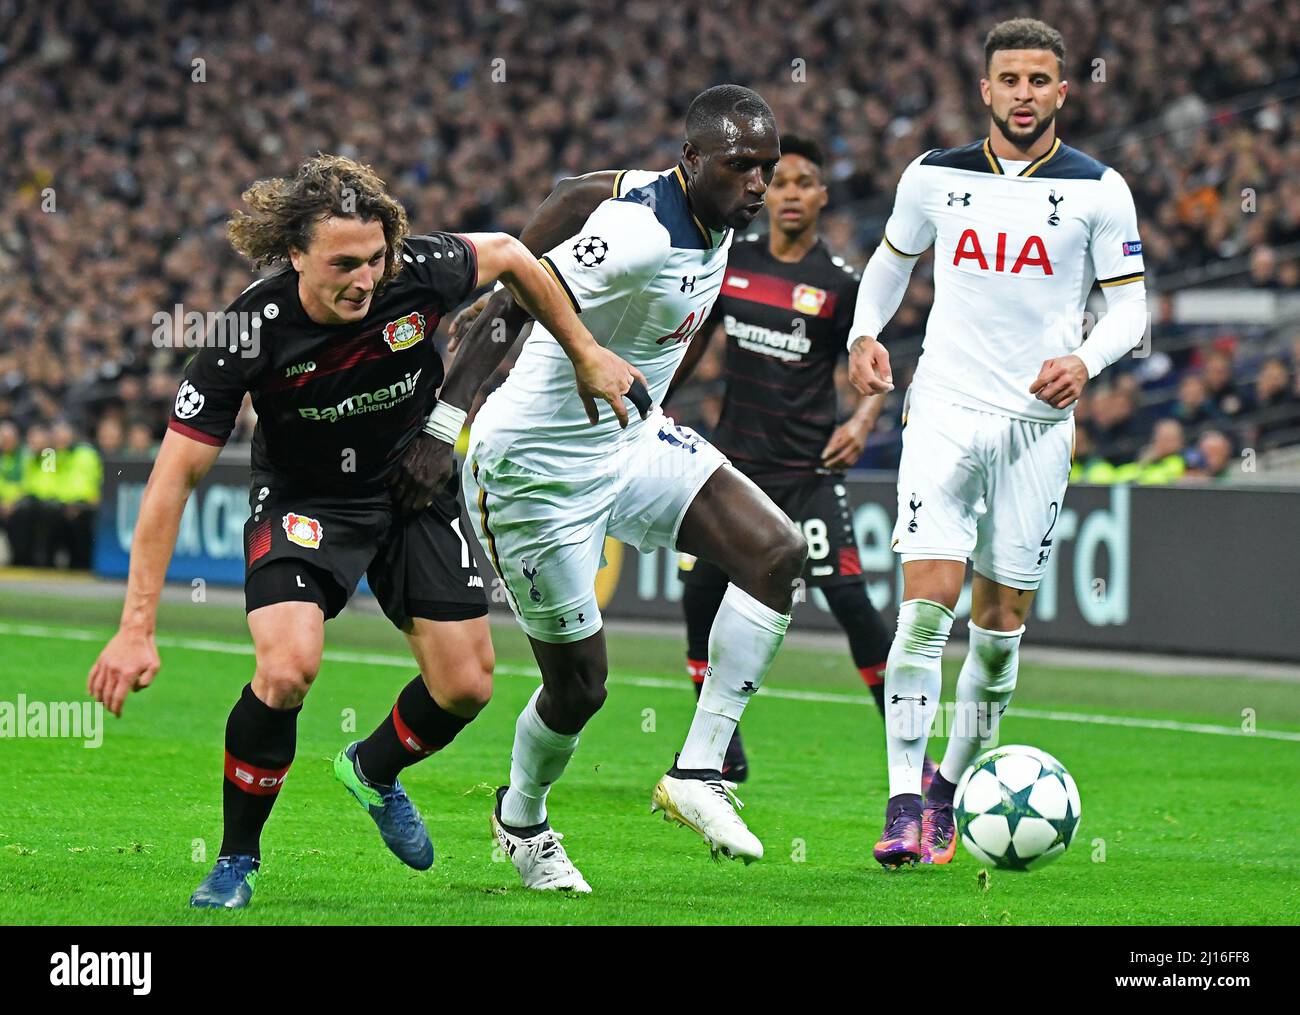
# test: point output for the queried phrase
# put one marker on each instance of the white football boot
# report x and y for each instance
(540, 860)
(705, 802)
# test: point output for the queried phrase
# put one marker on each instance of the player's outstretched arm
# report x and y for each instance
(130, 660)
(482, 335)
(601, 374)
(557, 218)
(884, 281)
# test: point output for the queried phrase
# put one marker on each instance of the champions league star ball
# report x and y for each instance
(1016, 808)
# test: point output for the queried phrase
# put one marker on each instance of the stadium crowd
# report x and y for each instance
(132, 128)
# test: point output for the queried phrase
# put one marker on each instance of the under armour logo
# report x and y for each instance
(688, 283)
(748, 687)
(953, 198)
(915, 505)
(1054, 219)
(895, 699)
(533, 592)
(1042, 557)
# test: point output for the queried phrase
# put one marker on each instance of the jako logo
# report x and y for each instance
(102, 969)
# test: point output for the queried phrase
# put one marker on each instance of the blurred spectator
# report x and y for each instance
(33, 517)
(1211, 458)
(1194, 407)
(1263, 268)
(11, 475)
(1115, 429)
(109, 436)
(1220, 387)
(52, 522)
(139, 439)
(1161, 461)
(1277, 410)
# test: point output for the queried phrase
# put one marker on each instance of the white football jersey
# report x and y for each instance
(1015, 257)
(643, 272)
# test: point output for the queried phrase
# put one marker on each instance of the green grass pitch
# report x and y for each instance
(1179, 826)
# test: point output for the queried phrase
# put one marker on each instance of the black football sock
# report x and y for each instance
(941, 791)
(869, 636)
(260, 744)
(874, 678)
(415, 728)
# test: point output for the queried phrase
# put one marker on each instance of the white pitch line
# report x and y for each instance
(659, 683)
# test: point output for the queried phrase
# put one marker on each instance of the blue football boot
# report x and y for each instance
(229, 885)
(399, 822)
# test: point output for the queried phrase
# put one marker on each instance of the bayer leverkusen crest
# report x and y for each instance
(303, 530)
(808, 299)
(405, 331)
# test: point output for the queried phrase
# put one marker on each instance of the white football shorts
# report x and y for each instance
(544, 533)
(981, 486)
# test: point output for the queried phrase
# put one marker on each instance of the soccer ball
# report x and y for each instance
(1016, 808)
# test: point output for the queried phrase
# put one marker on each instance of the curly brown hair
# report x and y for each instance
(284, 211)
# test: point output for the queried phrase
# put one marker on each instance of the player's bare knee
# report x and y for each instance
(575, 700)
(998, 617)
(784, 562)
(587, 696)
(467, 689)
(285, 676)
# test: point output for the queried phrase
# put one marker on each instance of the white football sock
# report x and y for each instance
(742, 644)
(984, 689)
(538, 759)
(913, 681)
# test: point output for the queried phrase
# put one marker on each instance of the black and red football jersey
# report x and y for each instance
(786, 326)
(335, 403)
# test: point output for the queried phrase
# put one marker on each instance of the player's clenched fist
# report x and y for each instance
(602, 374)
(1060, 381)
(128, 663)
(869, 368)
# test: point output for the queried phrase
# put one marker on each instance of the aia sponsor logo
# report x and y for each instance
(405, 331)
(685, 331)
(303, 531)
(1032, 253)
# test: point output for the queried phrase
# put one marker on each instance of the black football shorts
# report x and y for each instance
(418, 566)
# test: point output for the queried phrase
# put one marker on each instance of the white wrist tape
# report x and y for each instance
(445, 422)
